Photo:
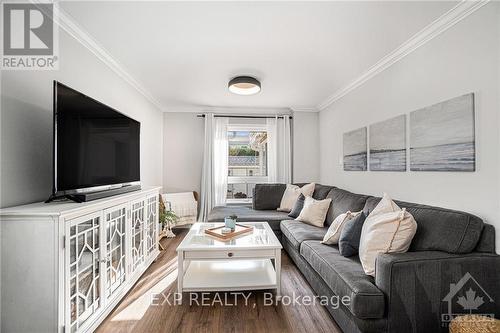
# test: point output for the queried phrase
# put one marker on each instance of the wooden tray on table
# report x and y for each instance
(238, 230)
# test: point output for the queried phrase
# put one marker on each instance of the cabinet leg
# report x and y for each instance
(277, 262)
(180, 273)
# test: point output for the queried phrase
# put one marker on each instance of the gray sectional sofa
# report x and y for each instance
(411, 292)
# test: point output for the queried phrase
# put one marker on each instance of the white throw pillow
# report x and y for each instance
(314, 211)
(333, 234)
(292, 193)
(388, 229)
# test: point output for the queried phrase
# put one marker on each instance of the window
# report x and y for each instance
(247, 161)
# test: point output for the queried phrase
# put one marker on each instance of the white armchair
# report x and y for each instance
(184, 205)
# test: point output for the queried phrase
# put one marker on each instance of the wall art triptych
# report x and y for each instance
(442, 138)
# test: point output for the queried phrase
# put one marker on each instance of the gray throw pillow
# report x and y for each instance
(297, 208)
(350, 236)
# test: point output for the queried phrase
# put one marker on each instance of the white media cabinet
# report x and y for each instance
(65, 265)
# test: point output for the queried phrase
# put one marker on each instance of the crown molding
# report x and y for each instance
(228, 109)
(68, 24)
(434, 29)
(304, 109)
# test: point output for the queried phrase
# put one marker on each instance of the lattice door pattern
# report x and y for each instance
(115, 249)
(84, 274)
(151, 227)
(137, 234)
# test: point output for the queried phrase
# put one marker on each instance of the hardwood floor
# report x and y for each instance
(145, 308)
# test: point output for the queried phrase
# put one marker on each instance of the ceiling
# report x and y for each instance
(184, 53)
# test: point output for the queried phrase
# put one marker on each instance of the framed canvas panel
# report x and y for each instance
(355, 150)
(442, 136)
(388, 145)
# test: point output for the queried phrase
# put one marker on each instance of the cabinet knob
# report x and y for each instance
(230, 254)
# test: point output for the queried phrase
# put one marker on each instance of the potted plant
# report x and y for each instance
(230, 221)
(167, 219)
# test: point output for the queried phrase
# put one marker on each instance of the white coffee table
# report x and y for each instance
(206, 263)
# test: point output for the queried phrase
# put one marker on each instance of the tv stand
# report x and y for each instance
(89, 196)
(97, 249)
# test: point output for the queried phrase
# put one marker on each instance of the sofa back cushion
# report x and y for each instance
(267, 196)
(439, 229)
(343, 201)
(320, 191)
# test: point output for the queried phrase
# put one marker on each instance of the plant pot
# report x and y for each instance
(230, 223)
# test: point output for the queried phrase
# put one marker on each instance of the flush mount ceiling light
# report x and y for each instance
(244, 85)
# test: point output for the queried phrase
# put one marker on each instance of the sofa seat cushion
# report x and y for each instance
(345, 277)
(296, 232)
(247, 214)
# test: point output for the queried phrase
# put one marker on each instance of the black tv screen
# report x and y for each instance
(95, 145)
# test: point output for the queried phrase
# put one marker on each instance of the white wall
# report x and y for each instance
(305, 147)
(182, 151)
(461, 60)
(26, 121)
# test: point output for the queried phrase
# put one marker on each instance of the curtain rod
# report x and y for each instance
(238, 116)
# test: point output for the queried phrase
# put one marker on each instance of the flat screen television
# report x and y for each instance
(96, 148)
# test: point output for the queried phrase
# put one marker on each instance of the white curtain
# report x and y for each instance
(286, 146)
(272, 153)
(279, 150)
(215, 160)
(220, 157)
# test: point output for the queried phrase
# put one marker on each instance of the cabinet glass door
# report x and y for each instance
(83, 274)
(137, 233)
(115, 221)
(151, 229)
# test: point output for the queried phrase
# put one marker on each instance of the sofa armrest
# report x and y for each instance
(267, 196)
(422, 288)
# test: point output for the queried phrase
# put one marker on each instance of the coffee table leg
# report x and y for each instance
(180, 273)
(278, 272)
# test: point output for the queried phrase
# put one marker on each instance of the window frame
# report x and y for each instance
(246, 179)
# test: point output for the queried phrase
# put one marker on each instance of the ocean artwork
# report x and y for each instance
(442, 136)
(388, 145)
(355, 150)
